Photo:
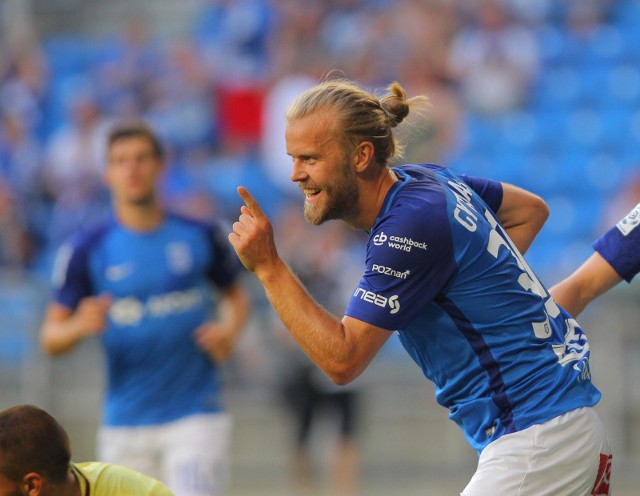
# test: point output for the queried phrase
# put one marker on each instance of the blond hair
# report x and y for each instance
(362, 115)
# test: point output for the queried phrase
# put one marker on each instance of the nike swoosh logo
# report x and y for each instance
(119, 272)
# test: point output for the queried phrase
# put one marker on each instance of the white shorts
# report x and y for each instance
(189, 455)
(568, 455)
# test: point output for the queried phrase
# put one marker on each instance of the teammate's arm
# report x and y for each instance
(593, 278)
(218, 338)
(342, 349)
(64, 327)
(522, 214)
(617, 258)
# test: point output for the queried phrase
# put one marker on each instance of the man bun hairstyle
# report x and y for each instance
(395, 104)
(361, 115)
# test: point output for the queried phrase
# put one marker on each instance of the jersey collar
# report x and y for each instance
(85, 488)
(403, 180)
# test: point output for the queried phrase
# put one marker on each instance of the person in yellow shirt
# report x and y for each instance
(35, 460)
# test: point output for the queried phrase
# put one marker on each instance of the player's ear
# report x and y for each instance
(33, 484)
(363, 155)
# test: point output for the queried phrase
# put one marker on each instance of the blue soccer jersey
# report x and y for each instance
(441, 270)
(160, 285)
(620, 245)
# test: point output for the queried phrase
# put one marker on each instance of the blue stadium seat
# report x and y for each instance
(67, 54)
(557, 87)
(623, 83)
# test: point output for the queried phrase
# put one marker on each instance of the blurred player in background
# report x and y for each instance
(143, 282)
(444, 267)
(35, 459)
(324, 267)
(616, 257)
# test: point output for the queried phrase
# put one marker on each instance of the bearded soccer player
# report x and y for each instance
(510, 365)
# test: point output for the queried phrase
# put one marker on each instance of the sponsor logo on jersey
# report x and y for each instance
(118, 272)
(388, 271)
(603, 479)
(574, 350)
(378, 300)
(380, 239)
(126, 311)
(630, 222)
(398, 242)
(179, 257)
(130, 311)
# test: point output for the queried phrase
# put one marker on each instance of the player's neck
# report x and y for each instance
(70, 487)
(146, 217)
(373, 198)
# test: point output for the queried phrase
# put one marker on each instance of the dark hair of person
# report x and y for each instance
(135, 129)
(31, 440)
(362, 115)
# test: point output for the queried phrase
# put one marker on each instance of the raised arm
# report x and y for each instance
(342, 349)
(522, 214)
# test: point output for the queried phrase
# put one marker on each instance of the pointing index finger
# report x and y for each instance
(251, 203)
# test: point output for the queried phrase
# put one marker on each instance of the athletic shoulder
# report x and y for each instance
(106, 479)
(87, 239)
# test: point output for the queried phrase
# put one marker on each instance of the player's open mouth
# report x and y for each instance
(310, 193)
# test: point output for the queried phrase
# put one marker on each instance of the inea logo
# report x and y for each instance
(394, 304)
(378, 300)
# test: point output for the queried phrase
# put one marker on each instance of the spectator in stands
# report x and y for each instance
(24, 79)
(20, 173)
(323, 267)
(233, 36)
(73, 161)
(437, 135)
(493, 60)
(16, 246)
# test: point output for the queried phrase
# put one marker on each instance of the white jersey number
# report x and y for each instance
(528, 280)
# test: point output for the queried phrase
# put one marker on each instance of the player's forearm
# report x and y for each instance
(320, 335)
(568, 295)
(234, 309)
(58, 337)
(593, 278)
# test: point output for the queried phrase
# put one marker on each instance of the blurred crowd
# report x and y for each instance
(217, 96)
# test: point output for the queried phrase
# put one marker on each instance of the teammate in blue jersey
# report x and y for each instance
(444, 268)
(147, 281)
(616, 257)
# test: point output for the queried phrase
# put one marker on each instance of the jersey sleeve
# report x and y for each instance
(409, 261)
(71, 281)
(620, 245)
(490, 191)
(106, 479)
(225, 265)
